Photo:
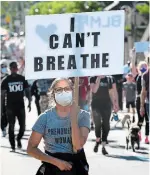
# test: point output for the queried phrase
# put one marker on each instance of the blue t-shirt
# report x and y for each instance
(57, 130)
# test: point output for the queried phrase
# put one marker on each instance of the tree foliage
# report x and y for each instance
(9, 8)
(143, 8)
(4, 6)
(55, 7)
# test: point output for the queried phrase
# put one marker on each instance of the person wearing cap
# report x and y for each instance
(4, 73)
(129, 89)
(14, 86)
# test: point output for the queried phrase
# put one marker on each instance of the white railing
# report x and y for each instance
(111, 6)
(145, 36)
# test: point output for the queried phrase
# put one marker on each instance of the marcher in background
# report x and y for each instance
(129, 88)
(64, 128)
(14, 86)
(142, 67)
(35, 92)
(138, 72)
(103, 98)
(145, 89)
(43, 88)
(4, 74)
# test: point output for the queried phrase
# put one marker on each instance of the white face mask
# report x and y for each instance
(64, 98)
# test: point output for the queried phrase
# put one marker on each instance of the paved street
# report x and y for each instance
(119, 161)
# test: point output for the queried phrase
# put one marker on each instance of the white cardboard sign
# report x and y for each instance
(74, 45)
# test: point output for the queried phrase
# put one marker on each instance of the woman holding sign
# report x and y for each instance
(64, 129)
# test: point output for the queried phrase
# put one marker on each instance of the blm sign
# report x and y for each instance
(74, 45)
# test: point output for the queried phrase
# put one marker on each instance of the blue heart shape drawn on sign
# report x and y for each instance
(45, 32)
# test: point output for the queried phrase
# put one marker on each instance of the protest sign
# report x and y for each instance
(142, 46)
(142, 49)
(74, 45)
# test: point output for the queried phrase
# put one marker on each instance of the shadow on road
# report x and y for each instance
(24, 138)
(140, 152)
(27, 130)
(117, 146)
(123, 147)
(21, 152)
(129, 158)
(5, 147)
(27, 135)
(116, 128)
(109, 141)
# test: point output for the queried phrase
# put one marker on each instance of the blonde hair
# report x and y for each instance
(141, 63)
(52, 88)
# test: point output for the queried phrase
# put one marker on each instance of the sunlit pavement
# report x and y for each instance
(119, 161)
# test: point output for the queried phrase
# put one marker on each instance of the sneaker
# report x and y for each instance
(96, 147)
(140, 137)
(12, 149)
(19, 145)
(104, 152)
(4, 133)
(146, 140)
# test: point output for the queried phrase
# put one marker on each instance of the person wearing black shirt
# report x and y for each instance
(35, 92)
(103, 95)
(4, 121)
(142, 67)
(14, 86)
(138, 72)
